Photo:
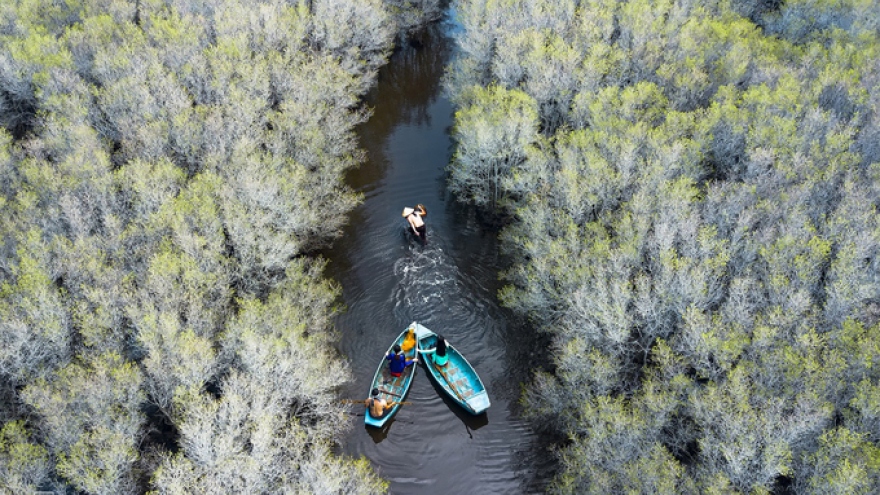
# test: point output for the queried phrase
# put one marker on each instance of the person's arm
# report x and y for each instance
(412, 224)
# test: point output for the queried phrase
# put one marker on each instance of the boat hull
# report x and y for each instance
(457, 378)
(391, 388)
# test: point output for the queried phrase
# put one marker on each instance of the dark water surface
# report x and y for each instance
(450, 286)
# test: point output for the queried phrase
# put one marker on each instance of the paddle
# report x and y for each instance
(389, 392)
(355, 401)
(451, 384)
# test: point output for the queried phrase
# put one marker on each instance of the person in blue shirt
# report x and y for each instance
(398, 361)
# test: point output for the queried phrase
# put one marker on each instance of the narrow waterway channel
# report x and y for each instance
(450, 285)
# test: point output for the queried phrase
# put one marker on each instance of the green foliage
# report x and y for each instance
(176, 356)
(90, 415)
(707, 200)
(34, 326)
(317, 472)
(99, 462)
(615, 109)
(246, 440)
(357, 33)
(159, 159)
(711, 51)
(741, 439)
(493, 132)
(851, 283)
(24, 465)
(29, 58)
(866, 405)
(97, 290)
(543, 65)
(146, 186)
(795, 265)
(178, 284)
(620, 431)
(844, 463)
(286, 340)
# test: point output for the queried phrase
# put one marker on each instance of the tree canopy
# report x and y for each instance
(163, 169)
(693, 191)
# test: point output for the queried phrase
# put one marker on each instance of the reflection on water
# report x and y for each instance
(431, 446)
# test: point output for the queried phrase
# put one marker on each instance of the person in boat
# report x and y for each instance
(439, 356)
(416, 218)
(398, 361)
(377, 405)
(409, 341)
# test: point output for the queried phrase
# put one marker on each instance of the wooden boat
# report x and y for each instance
(392, 389)
(457, 377)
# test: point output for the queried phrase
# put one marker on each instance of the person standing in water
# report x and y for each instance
(415, 217)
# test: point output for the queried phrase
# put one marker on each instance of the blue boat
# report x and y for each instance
(457, 377)
(392, 389)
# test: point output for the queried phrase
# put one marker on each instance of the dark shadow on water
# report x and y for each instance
(471, 422)
(379, 434)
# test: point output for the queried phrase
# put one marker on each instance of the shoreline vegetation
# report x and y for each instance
(691, 193)
(165, 169)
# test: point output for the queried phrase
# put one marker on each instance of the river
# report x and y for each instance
(450, 285)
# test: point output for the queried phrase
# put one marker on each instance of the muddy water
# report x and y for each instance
(449, 285)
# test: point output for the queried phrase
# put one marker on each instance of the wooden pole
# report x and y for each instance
(363, 401)
(451, 384)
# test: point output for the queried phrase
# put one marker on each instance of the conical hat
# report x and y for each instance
(407, 211)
